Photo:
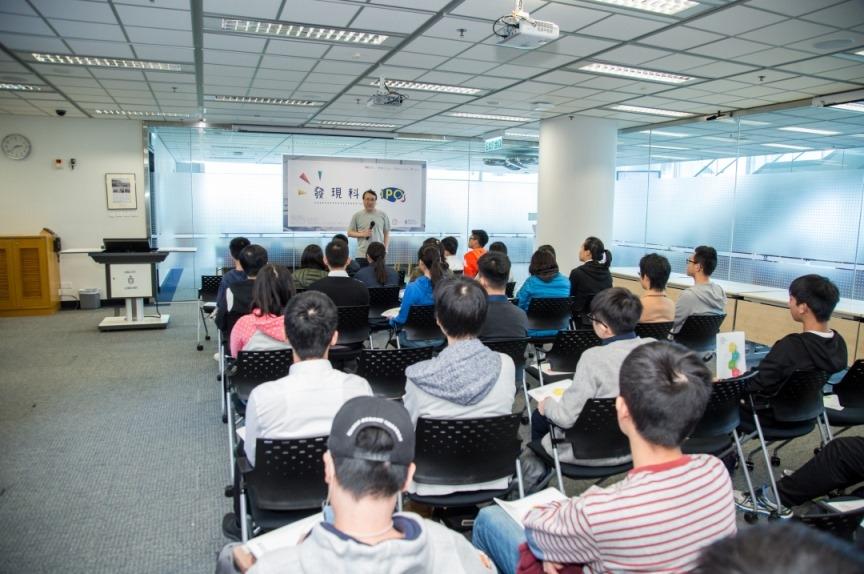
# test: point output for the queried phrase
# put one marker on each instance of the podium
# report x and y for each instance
(131, 276)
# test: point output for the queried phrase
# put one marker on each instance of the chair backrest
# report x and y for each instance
(699, 330)
(850, 390)
(722, 413)
(241, 293)
(251, 368)
(800, 397)
(466, 451)
(548, 313)
(353, 324)
(840, 524)
(385, 368)
(421, 324)
(288, 473)
(383, 298)
(401, 273)
(568, 347)
(509, 289)
(596, 434)
(659, 331)
(514, 348)
(209, 287)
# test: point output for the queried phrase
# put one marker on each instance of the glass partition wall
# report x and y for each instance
(778, 194)
(210, 185)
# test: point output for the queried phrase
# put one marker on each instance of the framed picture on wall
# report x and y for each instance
(120, 191)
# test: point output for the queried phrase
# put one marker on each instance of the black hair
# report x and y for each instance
(666, 388)
(313, 258)
(376, 252)
(543, 264)
(372, 191)
(310, 321)
(818, 292)
(336, 253)
(599, 253)
(498, 246)
(450, 244)
(481, 236)
(237, 245)
(494, 267)
(706, 257)
(252, 259)
(460, 307)
(618, 308)
(549, 248)
(431, 257)
(341, 237)
(362, 478)
(780, 548)
(273, 288)
(657, 269)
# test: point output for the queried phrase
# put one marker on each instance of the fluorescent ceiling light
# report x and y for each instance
(809, 131)
(655, 156)
(139, 114)
(850, 107)
(20, 87)
(652, 111)
(522, 135)
(742, 122)
(427, 87)
(488, 117)
(636, 73)
(859, 53)
(787, 146)
(303, 32)
(106, 62)
(419, 139)
(662, 146)
(257, 100)
(667, 7)
(665, 133)
(355, 124)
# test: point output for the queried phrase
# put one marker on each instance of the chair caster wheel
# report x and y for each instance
(773, 517)
(218, 377)
(225, 419)
(229, 491)
(750, 465)
(816, 451)
(207, 337)
(524, 420)
(751, 517)
(200, 347)
(775, 461)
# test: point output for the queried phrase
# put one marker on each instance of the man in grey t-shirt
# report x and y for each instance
(362, 229)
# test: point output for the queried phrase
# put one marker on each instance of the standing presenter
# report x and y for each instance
(368, 225)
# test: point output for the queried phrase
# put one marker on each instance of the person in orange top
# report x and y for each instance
(477, 245)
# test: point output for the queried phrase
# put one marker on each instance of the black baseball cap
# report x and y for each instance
(362, 412)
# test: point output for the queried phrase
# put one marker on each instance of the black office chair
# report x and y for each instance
(840, 524)
(659, 331)
(354, 330)
(563, 356)
(548, 314)
(850, 393)
(468, 451)
(699, 331)
(206, 305)
(420, 324)
(385, 368)
(509, 289)
(515, 349)
(287, 483)
(594, 436)
(381, 299)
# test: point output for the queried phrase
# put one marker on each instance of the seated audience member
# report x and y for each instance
(312, 267)
(451, 246)
(352, 267)
(614, 314)
(705, 297)
(416, 271)
(476, 244)
(345, 291)
(377, 273)
(781, 548)
(544, 282)
(549, 248)
(421, 291)
(503, 319)
(591, 277)
(235, 275)
(369, 462)
(666, 510)
(812, 299)
(467, 380)
(264, 328)
(238, 296)
(498, 247)
(303, 403)
(657, 307)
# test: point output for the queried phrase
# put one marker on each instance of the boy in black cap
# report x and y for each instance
(369, 461)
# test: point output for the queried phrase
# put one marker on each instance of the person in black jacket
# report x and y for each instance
(238, 297)
(591, 277)
(345, 291)
(812, 299)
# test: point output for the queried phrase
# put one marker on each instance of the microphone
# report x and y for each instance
(371, 226)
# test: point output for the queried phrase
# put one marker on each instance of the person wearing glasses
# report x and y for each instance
(705, 297)
(613, 315)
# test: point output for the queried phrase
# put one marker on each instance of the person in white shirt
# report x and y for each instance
(303, 403)
(451, 247)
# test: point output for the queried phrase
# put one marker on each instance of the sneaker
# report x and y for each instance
(216, 357)
(765, 504)
(765, 497)
(231, 527)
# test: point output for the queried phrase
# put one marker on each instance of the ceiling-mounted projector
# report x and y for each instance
(519, 30)
(385, 96)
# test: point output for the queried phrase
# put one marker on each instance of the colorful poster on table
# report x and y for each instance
(731, 358)
(322, 193)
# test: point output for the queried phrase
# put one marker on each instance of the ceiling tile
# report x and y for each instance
(633, 55)
(410, 60)
(540, 59)
(773, 57)
(33, 43)
(24, 25)
(564, 77)
(286, 63)
(159, 37)
(568, 18)
(844, 15)
(787, 32)
(492, 9)
(17, 7)
(451, 78)
(791, 7)
(170, 78)
(460, 29)
(491, 53)
(729, 48)
(857, 39)
(166, 54)
(719, 70)
(680, 38)
(75, 10)
(574, 92)
(818, 65)
(382, 19)
(437, 46)
(488, 82)
(622, 27)
(678, 62)
(347, 68)
(236, 43)
(466, 66)
(735, 20)
(259, 9)
(96, 48)
(112, 74)
(154, 17)
(398, 72)
(231, 58)
(301, 49)
(512, 71)
(216, 71)
(175, 4)
(87, 30)
(354, 54)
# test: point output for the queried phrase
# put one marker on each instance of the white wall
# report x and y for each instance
(72, 202)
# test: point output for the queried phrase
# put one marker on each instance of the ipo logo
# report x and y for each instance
(393, 194)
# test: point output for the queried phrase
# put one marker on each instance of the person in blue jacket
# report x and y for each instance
(545, 282)
(421, 292)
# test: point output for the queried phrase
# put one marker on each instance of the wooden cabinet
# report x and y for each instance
(29, 276)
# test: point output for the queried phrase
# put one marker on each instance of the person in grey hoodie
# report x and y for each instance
(705, 297)
(369, 461)
(467, 380)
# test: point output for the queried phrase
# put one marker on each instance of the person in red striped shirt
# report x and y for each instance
(664, 512)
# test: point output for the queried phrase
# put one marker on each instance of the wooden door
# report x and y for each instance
(32, 274)
(7, 292)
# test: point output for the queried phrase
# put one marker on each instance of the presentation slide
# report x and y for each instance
(322, 193)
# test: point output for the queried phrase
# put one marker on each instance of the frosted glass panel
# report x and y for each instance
(502, 207)
(691, 211)
(631, 195)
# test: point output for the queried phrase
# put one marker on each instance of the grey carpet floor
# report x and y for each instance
(113, 450)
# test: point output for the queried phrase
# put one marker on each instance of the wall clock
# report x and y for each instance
(16, 146)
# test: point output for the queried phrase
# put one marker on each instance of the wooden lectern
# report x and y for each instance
(131, 276)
